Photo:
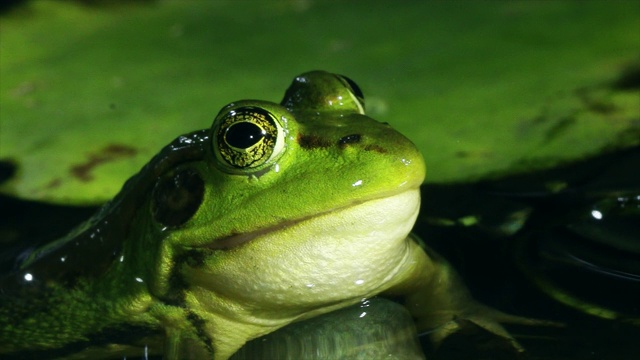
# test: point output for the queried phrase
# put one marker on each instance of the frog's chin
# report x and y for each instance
(385, 205)
(344, 255)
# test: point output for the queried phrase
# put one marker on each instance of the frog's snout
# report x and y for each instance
(349, 139)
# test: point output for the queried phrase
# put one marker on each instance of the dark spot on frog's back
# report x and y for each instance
(109, 153)
(375, 148)
(312, 142)
(356, 139)
(317, 142)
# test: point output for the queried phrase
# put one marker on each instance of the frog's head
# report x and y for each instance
(296, 205)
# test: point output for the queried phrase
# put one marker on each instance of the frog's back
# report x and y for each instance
(48, 292)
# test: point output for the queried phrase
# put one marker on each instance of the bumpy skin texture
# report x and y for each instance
(278, 213)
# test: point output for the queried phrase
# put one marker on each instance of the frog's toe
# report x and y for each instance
(466, 339)
(476, 332)
(480, 327)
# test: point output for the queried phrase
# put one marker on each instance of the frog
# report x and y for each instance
(276, 214)
(376, 328)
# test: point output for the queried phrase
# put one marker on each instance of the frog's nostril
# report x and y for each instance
(349, 139)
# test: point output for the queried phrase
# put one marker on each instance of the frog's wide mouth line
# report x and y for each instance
(234, 241)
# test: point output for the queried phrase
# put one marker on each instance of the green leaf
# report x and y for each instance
(89, 94)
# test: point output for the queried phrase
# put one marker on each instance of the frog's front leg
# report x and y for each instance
(436, 296)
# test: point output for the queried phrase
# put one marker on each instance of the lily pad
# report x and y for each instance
(89, 94)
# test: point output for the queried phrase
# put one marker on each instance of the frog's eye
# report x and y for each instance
(355, 89)
(247, 137)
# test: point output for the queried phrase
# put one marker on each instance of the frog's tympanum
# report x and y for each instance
(276, 214)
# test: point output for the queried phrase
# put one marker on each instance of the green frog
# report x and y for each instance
(276, 214)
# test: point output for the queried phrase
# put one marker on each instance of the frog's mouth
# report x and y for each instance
(400, 209)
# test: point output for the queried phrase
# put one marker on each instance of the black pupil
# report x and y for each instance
(243, 135)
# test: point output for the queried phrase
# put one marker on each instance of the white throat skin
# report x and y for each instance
(348, 253)
(311, 267)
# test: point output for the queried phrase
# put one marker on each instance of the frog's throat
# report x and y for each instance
(327, 260)
(239, 239)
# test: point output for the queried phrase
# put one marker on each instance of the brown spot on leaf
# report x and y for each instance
(83, 172)
(312, 142)
(475, 154)
(53, 184)
(594, 103)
